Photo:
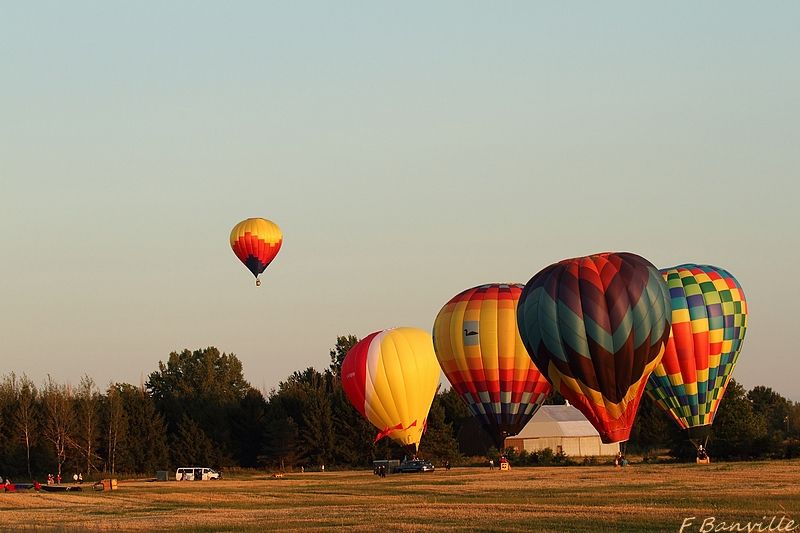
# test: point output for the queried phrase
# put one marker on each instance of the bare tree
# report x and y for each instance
(117, 425)
(25, 420)
(58, 418)
(87, 407)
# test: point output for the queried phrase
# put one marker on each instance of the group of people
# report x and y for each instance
(9, 486)
(51, 480)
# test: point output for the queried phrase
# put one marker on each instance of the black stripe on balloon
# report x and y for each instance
(255, 265)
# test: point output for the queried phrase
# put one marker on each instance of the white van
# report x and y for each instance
(196, 473)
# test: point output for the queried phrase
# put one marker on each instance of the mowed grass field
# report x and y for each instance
(638, 498)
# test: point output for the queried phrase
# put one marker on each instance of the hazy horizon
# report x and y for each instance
(407, 153)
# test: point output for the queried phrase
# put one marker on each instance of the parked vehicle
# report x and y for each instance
(196, 473)
(390, 466)
(417, 465)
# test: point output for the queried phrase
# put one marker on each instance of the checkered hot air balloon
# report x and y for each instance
(709, 320)
(256, 242)
(596, 326)
(480, 351)
(391, 377)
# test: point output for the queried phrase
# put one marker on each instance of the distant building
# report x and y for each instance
(562, 428)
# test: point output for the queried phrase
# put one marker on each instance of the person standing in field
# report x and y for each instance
(491, 464)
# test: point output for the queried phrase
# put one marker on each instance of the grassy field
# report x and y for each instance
(638, 498)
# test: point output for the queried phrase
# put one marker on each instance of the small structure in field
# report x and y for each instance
(562, 428)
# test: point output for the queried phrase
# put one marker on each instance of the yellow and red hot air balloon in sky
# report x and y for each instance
(479, 348)
(256, 242)
(391, 377)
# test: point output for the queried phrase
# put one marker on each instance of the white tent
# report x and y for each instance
(562, 428)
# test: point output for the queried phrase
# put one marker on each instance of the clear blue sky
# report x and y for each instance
(407, 150)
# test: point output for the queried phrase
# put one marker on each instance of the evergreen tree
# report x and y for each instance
(318, 427)
(354, 434)
(281, 437)
(145, 449)
(25, 420)
(456, 411)
(191, 446)
(9, 447)
(248, 421)
(438, 442)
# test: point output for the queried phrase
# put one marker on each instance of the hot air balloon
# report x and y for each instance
(596, 326)
(391, 377)
(256, 242)
(709, 320)
(478, 345)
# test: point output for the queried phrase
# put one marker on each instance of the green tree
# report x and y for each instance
(205, 386)
(191, 446)
(438, 442)
(792, 421)
(772, 406)
(456, 412)
(653, 429)
(311, 391)
(281, 438)
(354, 433)
(248, 428)
(555, 398)
(339, 351)
(737, 428)
(145, 448)
(8, 399)
(25, 420)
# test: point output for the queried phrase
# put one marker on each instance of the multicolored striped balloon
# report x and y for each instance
(596, 326)
(480, 351)
(391, 377)
(709, 320)
(256, 242)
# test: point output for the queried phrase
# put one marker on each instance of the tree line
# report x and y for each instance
(198, 410)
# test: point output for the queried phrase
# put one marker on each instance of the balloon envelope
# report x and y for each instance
(596, 326)
(391, 377)
(256, 242)
(480, 351)
(709, 320)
